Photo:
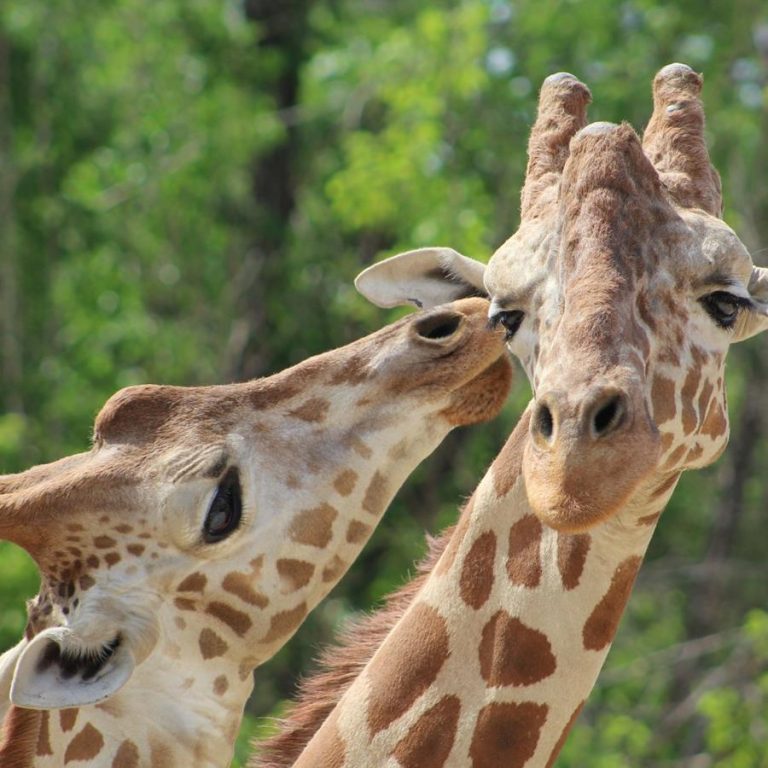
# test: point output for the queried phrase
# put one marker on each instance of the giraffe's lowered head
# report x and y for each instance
(205, 522)
(620, 293)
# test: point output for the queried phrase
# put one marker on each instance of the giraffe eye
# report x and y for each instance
(724, 307)
(225, 510)
(509, 318)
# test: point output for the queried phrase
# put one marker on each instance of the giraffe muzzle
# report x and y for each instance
(587, 455)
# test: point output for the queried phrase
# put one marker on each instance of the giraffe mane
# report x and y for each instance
(18, 737)
(340, 665)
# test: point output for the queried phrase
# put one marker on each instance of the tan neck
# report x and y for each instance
(506, 636)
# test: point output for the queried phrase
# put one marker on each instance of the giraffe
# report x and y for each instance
(189, 544)
(620, 293)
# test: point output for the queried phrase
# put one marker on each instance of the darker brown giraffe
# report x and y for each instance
(620, 293)
(189, 544)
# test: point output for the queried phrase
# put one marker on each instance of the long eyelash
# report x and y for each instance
(493, 322)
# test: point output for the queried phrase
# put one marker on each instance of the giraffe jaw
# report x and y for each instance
(49, 675)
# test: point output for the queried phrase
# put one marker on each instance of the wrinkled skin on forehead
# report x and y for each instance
(621, 292)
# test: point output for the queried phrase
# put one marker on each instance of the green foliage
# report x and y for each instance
(18, 581)
(143, 237)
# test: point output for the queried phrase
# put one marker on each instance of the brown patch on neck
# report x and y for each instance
(294, 573)
(127, 755)
(507, 734)
(285, 623)
(572, 550)
(476, 580)
(340, 666)
(603, 622)
(430, 739)
(376, 495)
(524, 559)
(405, 666)
(85, 745)
(67, 718)
(345, 482)
(20, 737)
(512, 653)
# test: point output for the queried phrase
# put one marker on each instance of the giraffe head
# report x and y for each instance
(620, 293)
(206, 522)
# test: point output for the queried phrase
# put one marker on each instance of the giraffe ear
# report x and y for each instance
(425, 278)
(755, 320)
(7, 668)
(47, 677)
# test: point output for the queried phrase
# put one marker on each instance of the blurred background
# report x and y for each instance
(187, 191)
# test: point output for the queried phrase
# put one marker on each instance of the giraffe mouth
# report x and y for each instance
(86, 664)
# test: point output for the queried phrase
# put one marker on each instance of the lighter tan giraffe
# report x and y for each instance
(189, 544)
(621, 293)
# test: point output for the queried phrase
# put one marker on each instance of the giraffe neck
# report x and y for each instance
(494, 657)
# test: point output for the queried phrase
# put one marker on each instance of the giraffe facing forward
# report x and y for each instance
(620, 292)
(189, 544)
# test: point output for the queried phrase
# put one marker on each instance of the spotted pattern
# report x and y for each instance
(195, 582)
(236, 620)
(43, 747)
(345, 482)
(476, 578)
(314, 527)
(85, 745)
(376, 495)
(512, 653)
(334, 570)
(429, 740)
(211, 644)
(506, 734)
(406, 666)
(357, 532)
(67, 719)
(572, 551)
(294, 573)
(285, 623)
(239, 584)
(127, 755)
(604, 620)
(524, 559)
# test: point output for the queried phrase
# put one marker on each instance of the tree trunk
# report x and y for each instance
(274, 179)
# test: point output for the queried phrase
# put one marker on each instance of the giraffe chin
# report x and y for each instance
(482, 398)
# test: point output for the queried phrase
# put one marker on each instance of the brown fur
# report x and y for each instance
(339, 666)
(19, 737)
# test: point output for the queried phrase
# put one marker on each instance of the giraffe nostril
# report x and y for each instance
(439, 325)
(544, 423)
(608, 416)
